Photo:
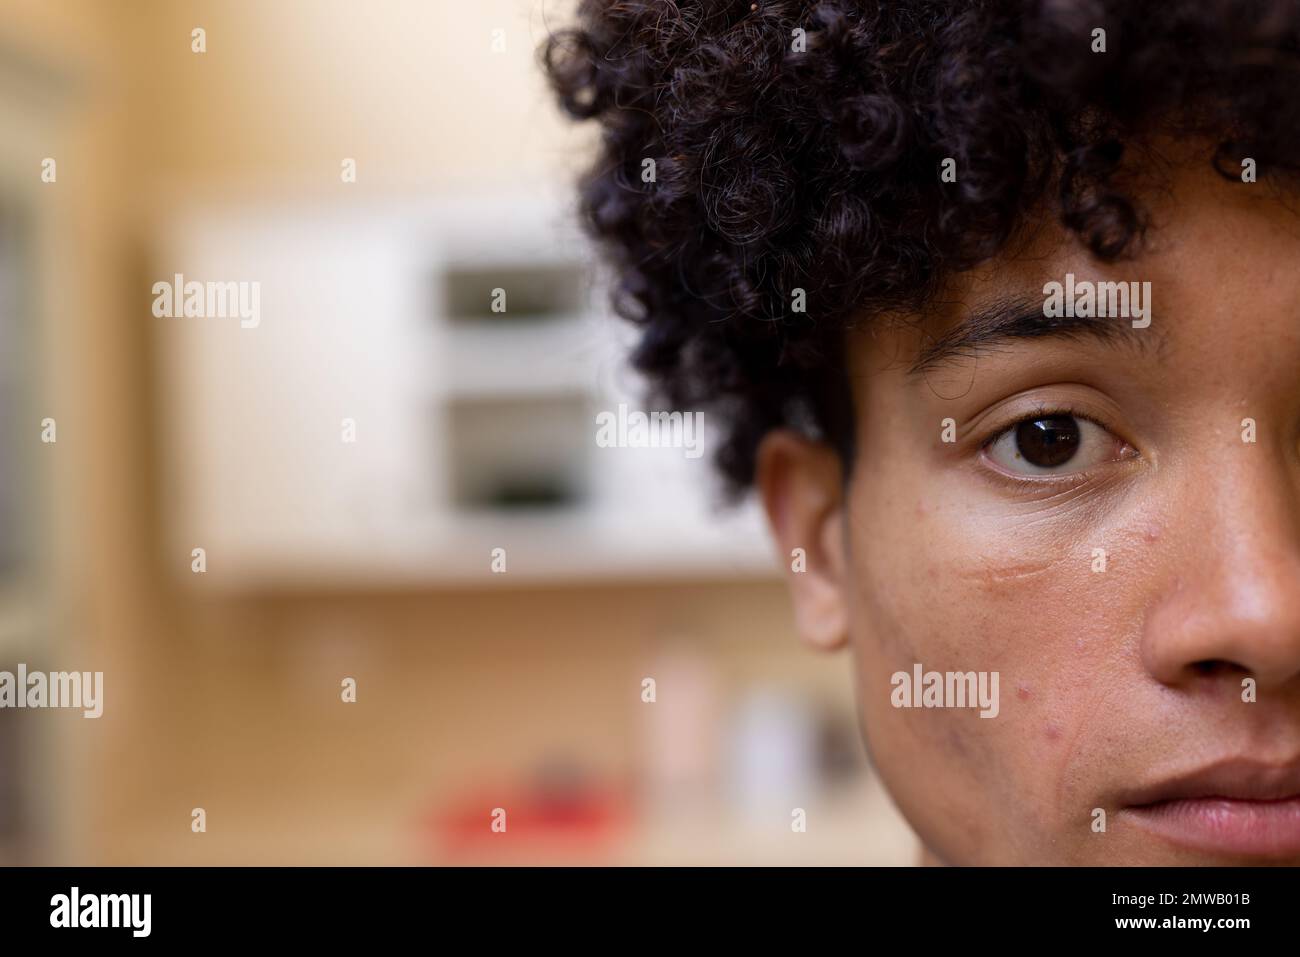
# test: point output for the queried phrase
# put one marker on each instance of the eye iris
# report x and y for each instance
(1049, 441)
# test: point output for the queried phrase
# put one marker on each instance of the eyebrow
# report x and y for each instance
(1018, 318)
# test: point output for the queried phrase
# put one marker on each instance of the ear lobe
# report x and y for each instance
(800, 483)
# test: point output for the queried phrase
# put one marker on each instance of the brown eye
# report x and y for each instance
(1048, 442)
(1058, 444)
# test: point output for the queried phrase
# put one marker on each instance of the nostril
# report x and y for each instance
(1215, 666)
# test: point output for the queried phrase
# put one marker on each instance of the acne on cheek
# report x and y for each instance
(1035, 621)
(1051, 729)
(937, 593)
(983, 764)
(1020, 597)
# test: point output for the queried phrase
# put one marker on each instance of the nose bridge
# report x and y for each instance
(1234, 592)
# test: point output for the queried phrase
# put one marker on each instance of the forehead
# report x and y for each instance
(1220, 255)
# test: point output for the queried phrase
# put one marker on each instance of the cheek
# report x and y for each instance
(941, 582)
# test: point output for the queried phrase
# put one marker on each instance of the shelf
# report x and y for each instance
(542, 548)
(455, 408)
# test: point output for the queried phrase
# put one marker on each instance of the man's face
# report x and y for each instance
(1113, 528)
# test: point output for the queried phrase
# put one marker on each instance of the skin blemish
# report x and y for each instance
(1023, 693)
(1004, 575)
(1052, 731)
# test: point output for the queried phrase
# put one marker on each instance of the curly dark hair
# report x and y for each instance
(798, 144)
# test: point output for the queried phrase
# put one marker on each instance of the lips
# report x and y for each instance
(1235, 807)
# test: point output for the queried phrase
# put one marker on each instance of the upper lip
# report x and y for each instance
(1235, 779)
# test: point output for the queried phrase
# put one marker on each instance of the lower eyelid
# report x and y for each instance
(1036, 481)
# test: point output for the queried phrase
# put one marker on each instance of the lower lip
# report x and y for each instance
(1258, 828)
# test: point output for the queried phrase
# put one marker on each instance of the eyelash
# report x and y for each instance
(1041, 412)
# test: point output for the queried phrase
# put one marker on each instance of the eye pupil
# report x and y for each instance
(1048, 441)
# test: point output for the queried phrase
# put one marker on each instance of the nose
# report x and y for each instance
(1233, 608)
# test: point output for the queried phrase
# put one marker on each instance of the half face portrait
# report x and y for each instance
(997, 310)
(615, 438)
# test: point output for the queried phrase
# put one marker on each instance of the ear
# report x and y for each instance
(801, 485)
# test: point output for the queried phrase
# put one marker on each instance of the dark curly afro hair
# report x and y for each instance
(798, 145)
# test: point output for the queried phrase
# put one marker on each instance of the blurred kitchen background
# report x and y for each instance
(369, 559)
